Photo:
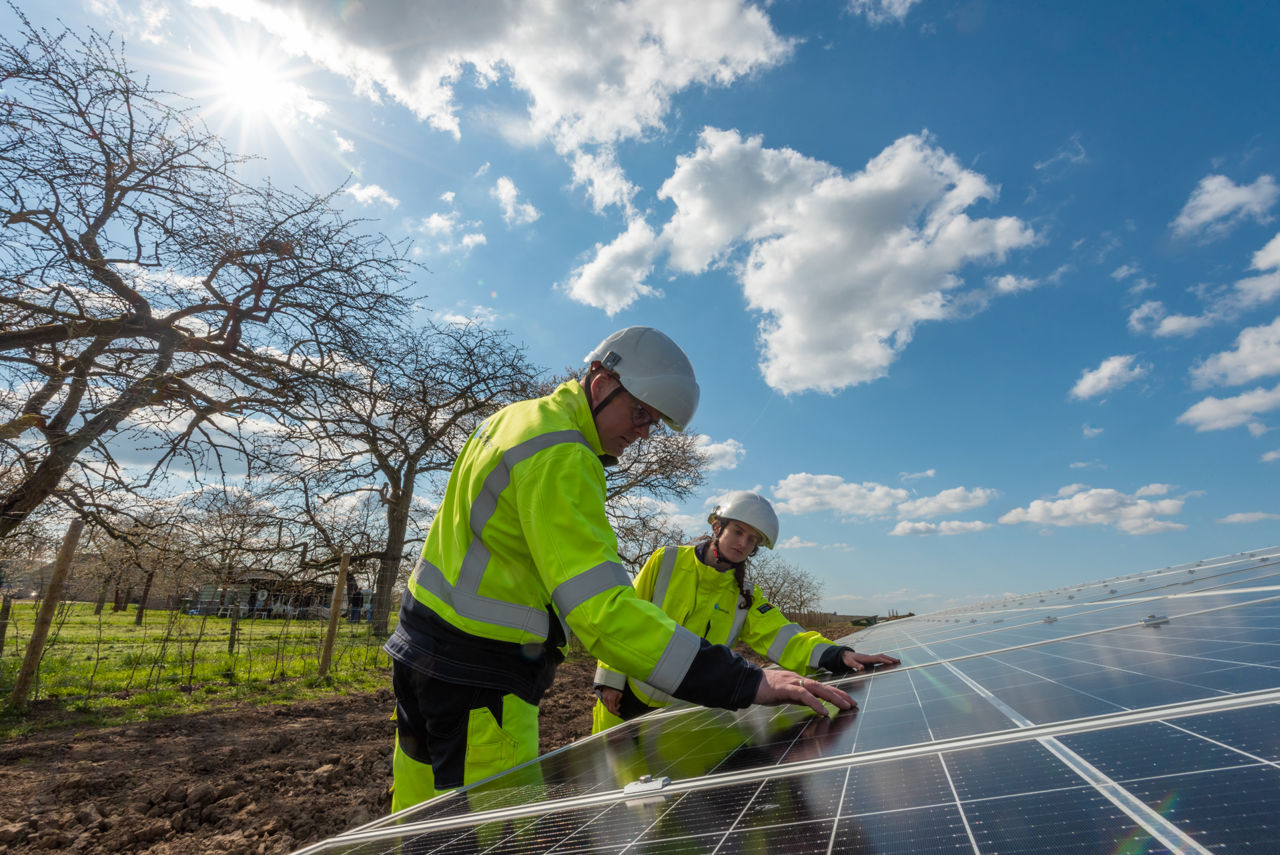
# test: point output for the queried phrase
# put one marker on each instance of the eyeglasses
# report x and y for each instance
(641, 416)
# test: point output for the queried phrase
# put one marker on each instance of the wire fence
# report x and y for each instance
(100, 658)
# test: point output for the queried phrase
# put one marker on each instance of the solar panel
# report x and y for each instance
(1133, 715)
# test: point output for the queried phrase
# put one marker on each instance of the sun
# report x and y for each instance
(256, 88)
(247, 85)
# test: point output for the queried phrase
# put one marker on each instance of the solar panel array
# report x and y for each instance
(1139, 714)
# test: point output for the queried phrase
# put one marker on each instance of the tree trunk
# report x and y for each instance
(389, 565)
(142, 603)
(40, 632)
(102, 596)
(235, 629)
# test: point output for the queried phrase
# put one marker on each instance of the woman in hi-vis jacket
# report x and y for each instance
(704, 588)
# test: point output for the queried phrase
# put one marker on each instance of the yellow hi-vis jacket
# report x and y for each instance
(520, 554)
(707, 602)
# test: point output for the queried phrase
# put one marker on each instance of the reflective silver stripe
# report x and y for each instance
(473, 606)
(612, 679)
(656, 696)
(780, 640)
(739, 618)
(486, 502)
(664, 576)
(816, 656)
(572, 593)
(675, 660)
(462, 597)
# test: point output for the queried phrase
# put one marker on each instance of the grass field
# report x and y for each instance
(104, 669)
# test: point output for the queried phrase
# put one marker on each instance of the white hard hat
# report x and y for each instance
(653, 368)
(750, 508)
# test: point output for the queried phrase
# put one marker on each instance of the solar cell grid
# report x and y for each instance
(1001, 732)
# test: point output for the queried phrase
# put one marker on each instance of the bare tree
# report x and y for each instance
(642, 488)
(143, 287)
(789, 587)
(381, 417)
(235, 532)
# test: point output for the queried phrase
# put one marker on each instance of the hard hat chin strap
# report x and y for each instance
(739, 568)
(587, 382)
(605, 402)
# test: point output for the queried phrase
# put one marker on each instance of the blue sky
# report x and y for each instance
(984, 296)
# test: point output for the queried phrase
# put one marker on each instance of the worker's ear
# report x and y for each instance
(600, 382)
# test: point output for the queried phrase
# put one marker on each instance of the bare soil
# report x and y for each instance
(245, 780)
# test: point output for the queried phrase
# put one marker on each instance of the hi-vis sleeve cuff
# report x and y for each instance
(785, 634)
(820, 650)
(610, 678)
(674, 663)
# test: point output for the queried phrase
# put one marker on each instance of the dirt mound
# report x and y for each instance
(246, 780)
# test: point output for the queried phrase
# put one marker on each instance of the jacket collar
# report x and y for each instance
(573, 397)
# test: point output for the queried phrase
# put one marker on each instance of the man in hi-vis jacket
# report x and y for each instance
(520, 554)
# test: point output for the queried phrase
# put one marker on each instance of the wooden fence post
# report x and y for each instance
(6, 606)
(335, 609)
(27, 673)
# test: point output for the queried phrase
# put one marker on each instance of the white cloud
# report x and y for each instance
(1256, 354)
(1218, 204)
(1077, 504)
(882, 11)
(1221, 304)
(1089, 432)
(843, 268)
(1222, 413)
(804, 493)
(344, 145)
(1256, 290)
(1124, 271)
(952, 501)
(614, 279)
(720, 455)
(1087, 464)
(796, 542)
(145, 22)
(1071, 152)
(1151, 319)
(1114, 373)
(578, 95)
(1252, 517)
(604, 179)
(916, 476)
(367, 194)
(1010, 284)
(1141, 286)
(450, 233)
(1271, 456)
(514, 212)
(947, 527)
(1268, 257)
(481, 315)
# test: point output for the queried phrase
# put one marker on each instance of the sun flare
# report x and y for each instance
(249, 84)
